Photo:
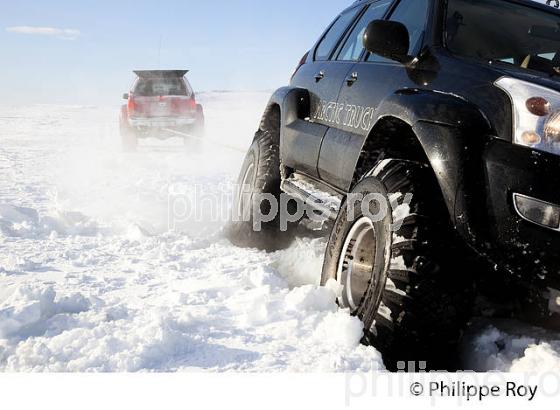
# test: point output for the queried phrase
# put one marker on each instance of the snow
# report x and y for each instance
(510, 346)
(92, 278)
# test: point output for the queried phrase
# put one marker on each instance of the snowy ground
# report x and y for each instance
(93, 279)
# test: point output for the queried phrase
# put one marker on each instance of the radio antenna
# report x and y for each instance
(159, 51)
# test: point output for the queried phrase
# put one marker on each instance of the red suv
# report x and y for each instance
(160, 105)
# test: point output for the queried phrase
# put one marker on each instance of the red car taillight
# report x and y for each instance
(301, 62)
(135, 107)
(131, 105)
(184, 105)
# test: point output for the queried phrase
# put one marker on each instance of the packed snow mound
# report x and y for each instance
(302, 262)
(29, 308)
(513, 347)
(27, 223)
(167, 316)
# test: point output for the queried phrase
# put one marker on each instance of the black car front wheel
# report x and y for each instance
(397, 270)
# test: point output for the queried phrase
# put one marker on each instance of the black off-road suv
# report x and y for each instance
(448, 109)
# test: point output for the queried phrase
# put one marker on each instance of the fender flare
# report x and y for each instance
(452, 133)
(446, 109)
(294, 104)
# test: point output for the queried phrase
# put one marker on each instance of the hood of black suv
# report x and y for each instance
(548, 81)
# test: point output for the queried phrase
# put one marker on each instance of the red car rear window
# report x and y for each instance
(161, 86)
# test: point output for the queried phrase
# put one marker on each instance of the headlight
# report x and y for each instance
(536, 114)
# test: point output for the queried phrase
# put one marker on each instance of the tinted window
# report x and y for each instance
(509, 32)
(154, 87)
(330, 40)
(354, 46)
(413, 14)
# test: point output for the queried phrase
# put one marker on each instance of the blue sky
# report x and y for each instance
(63, 51)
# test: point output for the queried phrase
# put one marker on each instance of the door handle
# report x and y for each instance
(319, 76)
(352, 79)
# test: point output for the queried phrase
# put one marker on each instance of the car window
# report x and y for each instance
(337, 30)
(154, 87)
(354, 45)
(190, 90)
(510, 32)
(413, 14)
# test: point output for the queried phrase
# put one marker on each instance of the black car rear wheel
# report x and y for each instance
(259, 178)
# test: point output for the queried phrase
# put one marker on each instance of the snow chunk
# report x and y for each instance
(20, 222)
(401, 212)
(311, 299)
(262, 276)
(398, 264)
(302, 262)
(18, 264)
(335, 287)
(542, 357)
(494, 349)
(340, 329)
(26, 310)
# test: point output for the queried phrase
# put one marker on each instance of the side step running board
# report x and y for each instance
(316, 195)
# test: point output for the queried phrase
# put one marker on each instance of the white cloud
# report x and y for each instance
(64, 33)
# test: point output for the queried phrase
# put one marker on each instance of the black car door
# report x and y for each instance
(372, 79)
(322, 78)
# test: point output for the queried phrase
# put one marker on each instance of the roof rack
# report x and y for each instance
(160, 73)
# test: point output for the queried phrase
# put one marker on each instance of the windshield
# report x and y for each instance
(498, 30)
(155, 87)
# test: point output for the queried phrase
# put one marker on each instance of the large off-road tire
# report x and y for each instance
(260, 174)
(405, 283)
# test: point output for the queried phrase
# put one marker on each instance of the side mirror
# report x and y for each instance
(125, 96)
(389, 39)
